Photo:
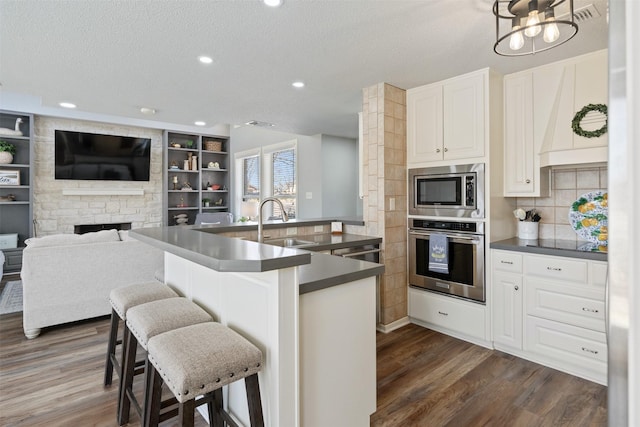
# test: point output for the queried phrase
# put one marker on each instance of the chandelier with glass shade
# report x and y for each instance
(526, 27)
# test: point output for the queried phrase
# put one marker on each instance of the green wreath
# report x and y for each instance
(575, 123)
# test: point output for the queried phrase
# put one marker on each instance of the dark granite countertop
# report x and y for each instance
(566, 248)
(316, 271)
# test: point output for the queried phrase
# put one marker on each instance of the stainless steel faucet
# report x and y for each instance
(285, 217)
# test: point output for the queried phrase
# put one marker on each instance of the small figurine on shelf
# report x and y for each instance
(219, 202)
(175, 182)
(186, 186)
(181, 204)
(174, 165)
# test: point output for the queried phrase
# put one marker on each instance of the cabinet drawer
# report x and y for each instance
(573, 304)
(578, 350)
(507, 261)
(447, 312)
(556, 268)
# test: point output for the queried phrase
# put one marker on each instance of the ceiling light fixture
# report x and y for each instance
(199, 123)
(272, 3)
(298, 84)
(526, 27)
(205, 59)
(67, 105)
(148, 111)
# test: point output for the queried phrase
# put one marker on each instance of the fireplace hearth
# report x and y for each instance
(89, 228)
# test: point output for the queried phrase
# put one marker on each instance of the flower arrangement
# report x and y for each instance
(530, 215)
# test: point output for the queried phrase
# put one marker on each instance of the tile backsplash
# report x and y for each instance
(566, 186)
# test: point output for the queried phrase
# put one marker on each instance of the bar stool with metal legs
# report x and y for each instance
(122, 299)
(144, 322)
(199, 360)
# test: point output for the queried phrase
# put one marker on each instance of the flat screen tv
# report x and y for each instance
(81, 155)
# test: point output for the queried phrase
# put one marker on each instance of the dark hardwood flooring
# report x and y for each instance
(424, 379)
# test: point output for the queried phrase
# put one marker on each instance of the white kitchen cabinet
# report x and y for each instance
(455, 317)
(522, 174)
(448, 120)
(550, 310)
(507, 299)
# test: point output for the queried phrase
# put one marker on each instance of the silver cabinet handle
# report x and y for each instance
(437, 150)
(588, 350)
(528, 181)
(516, 287)
(444, 314)
(506, 262)
(590, 310)
(554, 268)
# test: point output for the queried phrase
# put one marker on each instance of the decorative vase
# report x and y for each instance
(528, 230)
(6, 157)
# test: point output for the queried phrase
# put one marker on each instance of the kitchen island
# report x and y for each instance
(311, 314)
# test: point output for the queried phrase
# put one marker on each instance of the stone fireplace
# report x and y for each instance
(90, 228)
(60, 205)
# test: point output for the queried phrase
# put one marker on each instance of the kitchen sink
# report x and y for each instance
(290, 242)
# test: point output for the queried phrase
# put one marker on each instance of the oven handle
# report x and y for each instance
(474, 239)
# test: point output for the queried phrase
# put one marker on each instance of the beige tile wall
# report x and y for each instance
(385, 196)
(567, 186)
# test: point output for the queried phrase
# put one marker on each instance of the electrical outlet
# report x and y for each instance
(309, 195)
(318, 229)
(292, 231)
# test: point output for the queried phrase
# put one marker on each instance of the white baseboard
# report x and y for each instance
(393, 325)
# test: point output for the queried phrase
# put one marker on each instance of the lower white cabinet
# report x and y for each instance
(447, 314)
(550, 310)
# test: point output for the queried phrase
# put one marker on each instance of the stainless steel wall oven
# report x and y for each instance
(465, 276)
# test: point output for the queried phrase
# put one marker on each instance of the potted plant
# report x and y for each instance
(7, 151)
(206, 202)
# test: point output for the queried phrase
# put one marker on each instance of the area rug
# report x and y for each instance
(11, 299)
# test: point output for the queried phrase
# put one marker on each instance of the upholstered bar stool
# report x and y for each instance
(198, 360)
(144, 322)
(122, 299)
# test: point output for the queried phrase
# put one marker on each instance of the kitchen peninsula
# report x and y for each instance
(313, 316)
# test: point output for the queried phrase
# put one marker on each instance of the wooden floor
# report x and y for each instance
(424, 379)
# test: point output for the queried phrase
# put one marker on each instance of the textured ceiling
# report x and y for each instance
(113, 57)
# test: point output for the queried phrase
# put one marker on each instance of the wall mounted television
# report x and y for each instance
(81, 155)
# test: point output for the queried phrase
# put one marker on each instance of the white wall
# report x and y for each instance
(312, 169)
(340, 177)
(58, 213)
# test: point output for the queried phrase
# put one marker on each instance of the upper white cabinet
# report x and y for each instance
(539, 105)
(447, 120)
(522, 174)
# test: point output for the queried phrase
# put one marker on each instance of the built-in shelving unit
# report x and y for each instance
(16, 215)
(189, 183)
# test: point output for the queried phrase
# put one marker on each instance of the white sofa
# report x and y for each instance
(68, 277)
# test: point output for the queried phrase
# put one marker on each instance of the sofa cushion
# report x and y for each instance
(73, 239)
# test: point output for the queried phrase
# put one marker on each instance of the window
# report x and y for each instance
(269, 171)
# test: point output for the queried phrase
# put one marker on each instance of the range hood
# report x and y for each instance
(562, 90)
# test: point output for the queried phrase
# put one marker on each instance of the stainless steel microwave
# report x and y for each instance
(455, 191)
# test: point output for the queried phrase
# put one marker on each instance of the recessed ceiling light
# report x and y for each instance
(298, 84)
(148, 111)
(199, 123)
(272, 3)
(67, 105)
(205, 59)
